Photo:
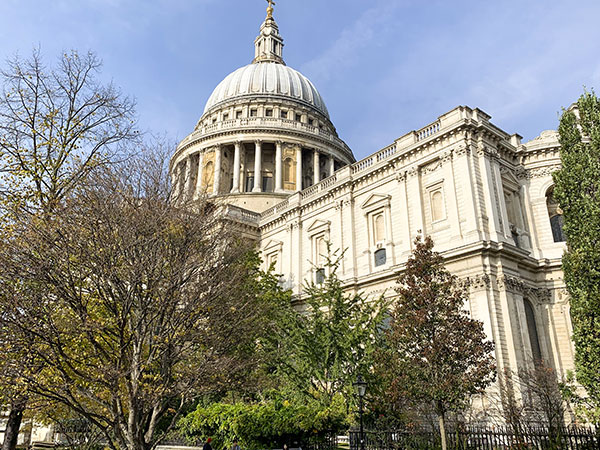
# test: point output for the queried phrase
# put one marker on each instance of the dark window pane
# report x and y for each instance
(320, 276)
(267, 184)
(380, 257)
(532, 331)
(249, 183)
(556, 222)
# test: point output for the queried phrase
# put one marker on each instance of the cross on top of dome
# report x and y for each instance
(269, 44)
(270, 9)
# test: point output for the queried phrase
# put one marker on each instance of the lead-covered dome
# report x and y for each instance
(270, 79)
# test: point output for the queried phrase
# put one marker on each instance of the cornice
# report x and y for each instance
(335, 144)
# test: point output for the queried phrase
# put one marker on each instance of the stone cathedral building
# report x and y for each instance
(266, 148)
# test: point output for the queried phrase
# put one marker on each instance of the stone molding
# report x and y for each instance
(518, 286)
(480, 281)
(537, 172)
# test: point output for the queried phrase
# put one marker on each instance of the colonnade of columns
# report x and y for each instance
(183, 175)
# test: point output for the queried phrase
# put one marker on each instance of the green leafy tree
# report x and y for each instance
(310, 353)
(280, 417)
(332, 339)
(434, 353)
(578, 193)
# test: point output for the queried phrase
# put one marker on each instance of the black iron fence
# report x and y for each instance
(471, 438)
(322, 441)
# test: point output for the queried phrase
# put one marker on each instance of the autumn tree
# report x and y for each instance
(434, 352)
(56, 125)
(578, 192)
(134, 306)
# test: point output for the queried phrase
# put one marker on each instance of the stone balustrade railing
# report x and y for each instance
(427, 131)
(237, 213)
(264, 122)
(364, 164)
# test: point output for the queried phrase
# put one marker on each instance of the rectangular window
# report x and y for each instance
(283, 114)
(253, 112)
(380, 257)
(225, 116)
(298, 117)
(238, 114)
(249, 183)
(269, 113)
(311, 122)
(267, 184)
(320, 276)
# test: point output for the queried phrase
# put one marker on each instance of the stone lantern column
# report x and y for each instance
(278, 167)
(316, 167)
(236, 168)
(257, 167)
(299, 169)
(217, 176)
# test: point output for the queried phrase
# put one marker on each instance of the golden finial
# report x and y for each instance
(270, 9)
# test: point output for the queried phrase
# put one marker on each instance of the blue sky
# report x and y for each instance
(384, 67)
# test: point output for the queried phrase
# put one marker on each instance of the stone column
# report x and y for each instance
(316, 167)
(176, 181)
(199, 187)
(217, 176)
(257, 167)
(331, 165)
(236, 169)
(299, 169)
(278, 167)
(187, 195)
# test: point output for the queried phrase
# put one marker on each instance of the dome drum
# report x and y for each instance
(229, 168)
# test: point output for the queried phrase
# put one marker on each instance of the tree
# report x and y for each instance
(310, 355)
(434, 352)
(326, 345)
(577, 190)
(134, 306)
(543, 400)
(55, 127)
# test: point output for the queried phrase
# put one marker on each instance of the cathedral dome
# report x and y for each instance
(269, 79)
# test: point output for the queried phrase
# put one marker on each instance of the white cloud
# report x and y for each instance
(344, 52)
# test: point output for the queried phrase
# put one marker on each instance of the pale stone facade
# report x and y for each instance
(484, 197)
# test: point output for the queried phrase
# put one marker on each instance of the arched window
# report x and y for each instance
(437, 206)
(555, 215)
(321, 260)
(532, 331)
(322, 251)
(379, 228)
(380, 257)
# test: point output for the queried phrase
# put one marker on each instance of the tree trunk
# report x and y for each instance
(13, 424)
(442, 429)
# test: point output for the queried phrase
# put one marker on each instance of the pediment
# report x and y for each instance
(510, 181)
(319, 225)
(272, 245)
(376, 200)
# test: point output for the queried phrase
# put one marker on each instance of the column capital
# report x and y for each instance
(258, 141)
